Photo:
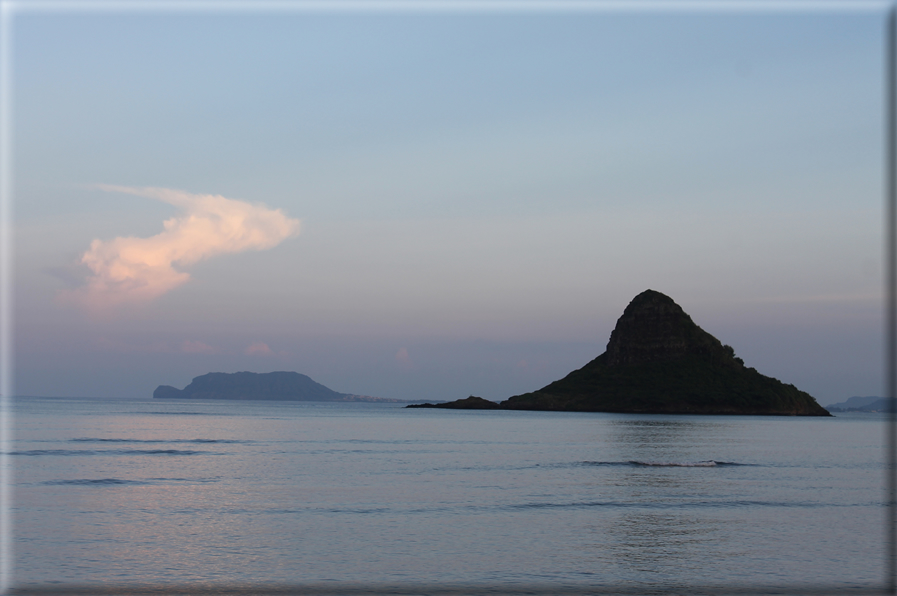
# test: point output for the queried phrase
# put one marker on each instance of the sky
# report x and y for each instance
(422, 204)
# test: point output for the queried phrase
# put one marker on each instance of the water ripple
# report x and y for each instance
(97, 440)
(184, 413)
(678, 505)
(121, 481)
(92, 482)
(67, 452)
(710, 463)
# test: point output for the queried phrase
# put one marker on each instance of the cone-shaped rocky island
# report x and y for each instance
(658, 361)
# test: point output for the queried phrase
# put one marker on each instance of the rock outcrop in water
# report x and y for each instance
(659, 361)
(471, 403)
(285, 386)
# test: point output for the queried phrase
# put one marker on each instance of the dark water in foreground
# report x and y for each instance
(114, 492)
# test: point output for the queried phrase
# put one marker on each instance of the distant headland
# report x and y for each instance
(658, 361)
(863, 404)
(282, 386)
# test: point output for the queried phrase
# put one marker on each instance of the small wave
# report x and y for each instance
(181, 441)
(662, 464)
(156, 452)
(183, 413)
(710, 463)
(91, 440)
(572, 505)
(359, 510)
(36, 452)
(66, 452)
(676, 464)
(92, 482)
(677, 504)
(119, 481)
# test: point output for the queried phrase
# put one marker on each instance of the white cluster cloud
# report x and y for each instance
(128, 269)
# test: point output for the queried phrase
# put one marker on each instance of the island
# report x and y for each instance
(658, 361)
(283, 386)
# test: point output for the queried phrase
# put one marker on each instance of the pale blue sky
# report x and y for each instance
(480, 195)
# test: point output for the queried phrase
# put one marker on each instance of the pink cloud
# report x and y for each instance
(403, 359)
(258, 349)
(132, 270)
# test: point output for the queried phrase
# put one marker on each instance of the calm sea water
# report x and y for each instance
(121, 492)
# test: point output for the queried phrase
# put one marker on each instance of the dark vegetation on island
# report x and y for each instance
(658, 361)
(283, 386)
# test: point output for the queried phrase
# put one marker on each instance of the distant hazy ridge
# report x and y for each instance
(861, 404)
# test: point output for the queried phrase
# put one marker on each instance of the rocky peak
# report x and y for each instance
(654, 328)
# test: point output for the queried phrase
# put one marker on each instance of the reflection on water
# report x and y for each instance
(661, 546)
(660, 433)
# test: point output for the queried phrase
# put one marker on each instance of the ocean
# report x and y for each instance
(211, 495)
